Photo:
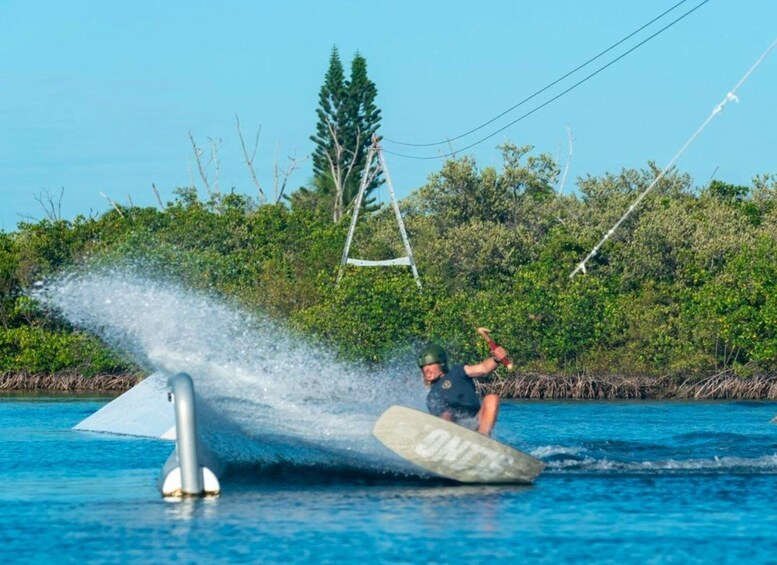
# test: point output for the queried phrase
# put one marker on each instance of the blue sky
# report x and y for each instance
(100, 96)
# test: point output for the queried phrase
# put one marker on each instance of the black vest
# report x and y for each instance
(454, 392)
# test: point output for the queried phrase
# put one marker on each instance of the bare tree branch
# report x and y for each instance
(293, 164)
(52, 208)
(250, 160)
(340, 176)
(115, 206)
(198, 158)
(334, 169)
(712, 176)
(214, 158)
(158, 199)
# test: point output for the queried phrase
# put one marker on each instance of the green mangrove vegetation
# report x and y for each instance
(684, 289)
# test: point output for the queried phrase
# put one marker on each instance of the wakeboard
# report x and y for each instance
(451, 451)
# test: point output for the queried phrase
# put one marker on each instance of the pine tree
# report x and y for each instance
(363, 123)
(331, 114)
(347, 120)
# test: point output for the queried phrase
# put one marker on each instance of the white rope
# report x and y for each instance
(731, 96)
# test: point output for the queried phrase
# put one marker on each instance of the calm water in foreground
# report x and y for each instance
(626, 482)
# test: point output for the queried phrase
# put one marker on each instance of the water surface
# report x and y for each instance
(651, 482)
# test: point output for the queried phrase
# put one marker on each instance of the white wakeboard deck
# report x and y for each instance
(451, 451)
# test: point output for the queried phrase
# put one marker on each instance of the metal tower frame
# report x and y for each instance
(367, 175)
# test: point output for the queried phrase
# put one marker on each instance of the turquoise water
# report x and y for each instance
(626, 483)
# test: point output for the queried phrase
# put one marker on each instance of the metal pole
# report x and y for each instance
(366, 179)
(186, 434)
(398, 214)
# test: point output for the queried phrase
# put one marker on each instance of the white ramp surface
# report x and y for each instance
(143, 411)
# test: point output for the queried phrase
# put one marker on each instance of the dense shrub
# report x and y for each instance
(685, 287)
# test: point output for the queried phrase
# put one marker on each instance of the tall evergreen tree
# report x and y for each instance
(347, 120)
(331, 114)
(364, 120)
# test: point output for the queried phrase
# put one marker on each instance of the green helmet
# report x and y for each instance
(434, 354)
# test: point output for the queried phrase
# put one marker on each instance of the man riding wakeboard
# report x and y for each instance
(453, 396)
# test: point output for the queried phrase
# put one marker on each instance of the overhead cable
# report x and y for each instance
(566, 91)
(731, 96)
(543, 89)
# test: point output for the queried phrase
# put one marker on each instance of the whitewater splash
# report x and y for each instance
(268, 396)
(273, 400)
(577, 459)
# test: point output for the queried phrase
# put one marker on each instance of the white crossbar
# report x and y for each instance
(384, 263)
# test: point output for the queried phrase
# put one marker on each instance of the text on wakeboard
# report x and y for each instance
(460, 454)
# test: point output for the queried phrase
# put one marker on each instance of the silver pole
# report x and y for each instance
(186, 434)
(366, 179)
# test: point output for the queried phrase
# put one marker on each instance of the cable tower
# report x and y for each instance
(375, 154)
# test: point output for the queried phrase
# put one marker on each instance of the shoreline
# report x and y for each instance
(67, 383)
(724, 386)
(518, 387)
